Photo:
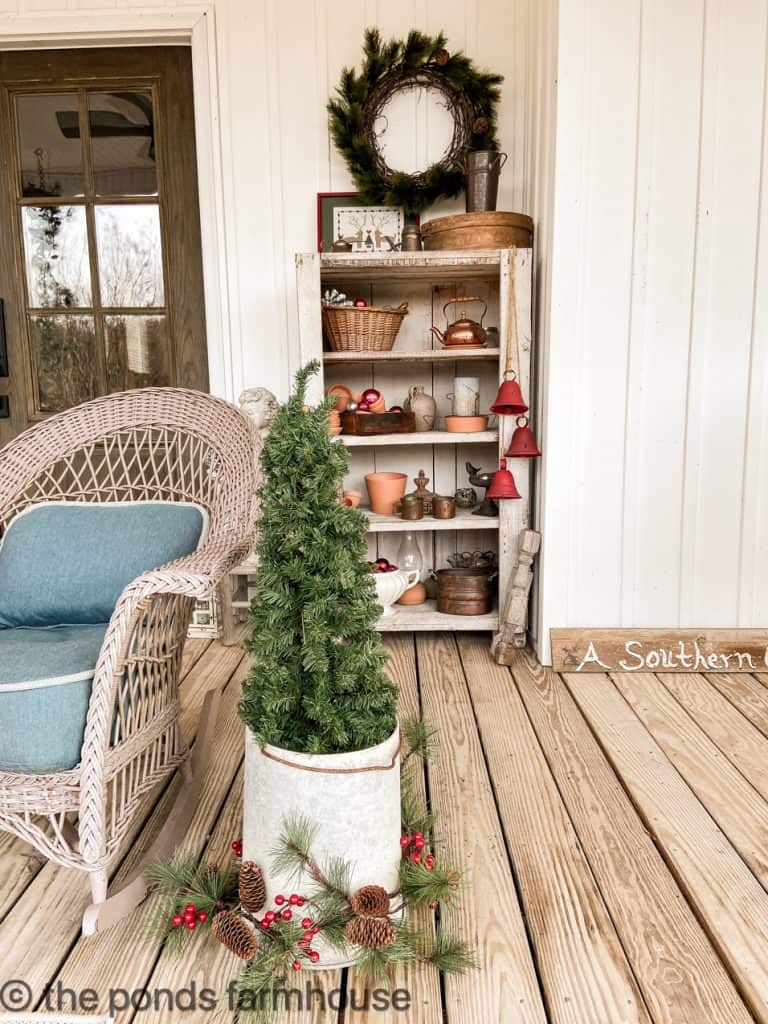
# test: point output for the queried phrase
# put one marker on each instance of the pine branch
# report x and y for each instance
(415, 818)
(419, 739)
(421, 887)
(449, 955)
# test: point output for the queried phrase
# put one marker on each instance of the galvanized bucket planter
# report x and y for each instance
(352, 798)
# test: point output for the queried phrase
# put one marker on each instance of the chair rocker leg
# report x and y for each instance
(108, 910)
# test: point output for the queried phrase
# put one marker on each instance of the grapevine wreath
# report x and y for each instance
(469, 94)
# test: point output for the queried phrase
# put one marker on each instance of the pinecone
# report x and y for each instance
(370, 901)
(234, 933)
(370, 932)
(480, 125)
(441, 57)
(253, 892)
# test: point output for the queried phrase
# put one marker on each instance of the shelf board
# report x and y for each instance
(464, 520)
(426, 617)
(420, 437)
(435, 355)
(424, 266)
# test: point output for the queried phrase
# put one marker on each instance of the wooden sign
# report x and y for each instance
(659, 650)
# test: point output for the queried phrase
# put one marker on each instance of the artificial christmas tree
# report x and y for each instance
(317, 684)
(322, 741)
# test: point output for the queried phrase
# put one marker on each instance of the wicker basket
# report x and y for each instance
(362, 328)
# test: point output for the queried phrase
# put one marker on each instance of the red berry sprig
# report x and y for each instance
(414, 846)
(283, 912)
(191, 917)
(237, 847)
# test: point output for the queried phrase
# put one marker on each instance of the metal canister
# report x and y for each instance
(464, 591)
(410, 239)
(410, 507)
(482, 168)
(443, 507)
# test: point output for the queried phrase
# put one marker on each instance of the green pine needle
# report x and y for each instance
(450, 955)
(420, 887)
(419, 738)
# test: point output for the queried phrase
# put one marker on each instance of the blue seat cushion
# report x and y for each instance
(45, 685)
(68, 562)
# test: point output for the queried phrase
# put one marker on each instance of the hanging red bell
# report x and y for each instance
(523, 444)
(503, 484)
(509, 400)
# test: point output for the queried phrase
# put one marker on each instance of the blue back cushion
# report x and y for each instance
(68, 562)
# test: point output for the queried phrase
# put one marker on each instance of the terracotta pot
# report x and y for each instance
(468, 424)
(384, 489)
(379, 406)
(343, 396)
(351, 498)
(414, 595)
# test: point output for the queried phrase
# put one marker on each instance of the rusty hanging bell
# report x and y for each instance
(509, 400)
(503, 484)
(523, 444)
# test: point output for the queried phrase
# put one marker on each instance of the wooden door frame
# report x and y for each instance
(196, 27)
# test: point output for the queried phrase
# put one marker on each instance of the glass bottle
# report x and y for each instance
(409, 554)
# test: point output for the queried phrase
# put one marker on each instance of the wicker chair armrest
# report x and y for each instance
(192, 576)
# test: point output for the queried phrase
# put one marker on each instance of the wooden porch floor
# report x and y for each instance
(613, 831)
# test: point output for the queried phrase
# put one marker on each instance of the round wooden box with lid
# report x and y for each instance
(488, 230)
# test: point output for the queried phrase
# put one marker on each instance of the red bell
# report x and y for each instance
(503, 484)
(509, 401)
(523, 444)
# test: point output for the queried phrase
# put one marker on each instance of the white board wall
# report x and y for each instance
(654, 497)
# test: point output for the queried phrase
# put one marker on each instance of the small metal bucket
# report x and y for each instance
(481, 174)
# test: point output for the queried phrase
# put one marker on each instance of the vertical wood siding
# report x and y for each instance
(655, 478)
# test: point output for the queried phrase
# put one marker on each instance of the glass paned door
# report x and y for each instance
(103, 287)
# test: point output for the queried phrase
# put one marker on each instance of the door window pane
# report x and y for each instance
(56, 250)
(63, 351)
(130, 259)
(49, 145)
(123, 143)
(137, 352)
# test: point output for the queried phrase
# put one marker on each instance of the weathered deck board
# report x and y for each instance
(741, 742)
(722, 789)
(747, 694)
(725, 894)
(506, 991)
(423, 986)
(583, 968)
(679, 972)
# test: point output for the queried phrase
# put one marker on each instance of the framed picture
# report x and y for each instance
(345, 221)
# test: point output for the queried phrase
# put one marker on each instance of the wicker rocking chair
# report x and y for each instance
(158, 444)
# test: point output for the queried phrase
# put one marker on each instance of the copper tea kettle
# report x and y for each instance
(463, 333)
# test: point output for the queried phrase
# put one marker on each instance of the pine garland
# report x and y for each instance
(471, 96)
(317, 684)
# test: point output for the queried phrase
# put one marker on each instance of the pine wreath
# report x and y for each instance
(470, 95)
